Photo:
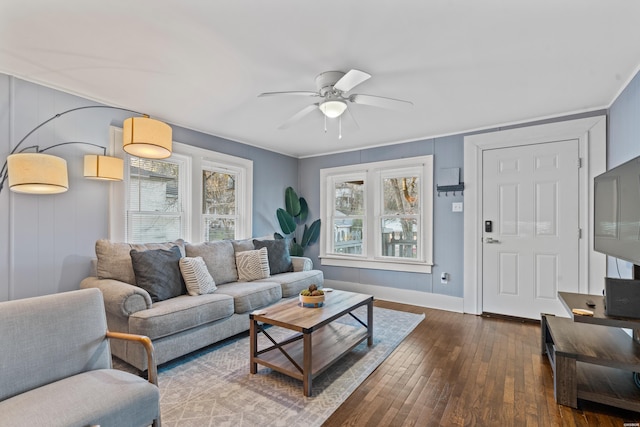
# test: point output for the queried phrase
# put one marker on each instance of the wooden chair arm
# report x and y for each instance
(148, 346)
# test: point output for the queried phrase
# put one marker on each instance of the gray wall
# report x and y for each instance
(624, 144)
(46, 242)
(447, 225)
(624, 125)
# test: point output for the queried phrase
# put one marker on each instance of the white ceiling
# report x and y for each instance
(465, 65)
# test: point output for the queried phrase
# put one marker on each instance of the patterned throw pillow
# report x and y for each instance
(196, 276)
(252, 265)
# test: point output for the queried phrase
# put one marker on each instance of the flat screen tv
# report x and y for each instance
(617, 212)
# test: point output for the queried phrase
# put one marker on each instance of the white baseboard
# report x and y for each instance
(404, 296)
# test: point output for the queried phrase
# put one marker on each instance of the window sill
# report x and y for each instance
(376, 265)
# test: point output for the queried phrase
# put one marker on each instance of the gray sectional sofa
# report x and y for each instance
(184, 323)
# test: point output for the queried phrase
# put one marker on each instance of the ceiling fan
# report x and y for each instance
(332, 88)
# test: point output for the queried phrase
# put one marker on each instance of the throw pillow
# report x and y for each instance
(196, 276)
(278, 251)
(252, 265)
(158, 272)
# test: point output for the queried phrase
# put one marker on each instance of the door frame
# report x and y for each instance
(591, 134)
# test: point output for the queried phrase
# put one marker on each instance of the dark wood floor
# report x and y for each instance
(464, 370)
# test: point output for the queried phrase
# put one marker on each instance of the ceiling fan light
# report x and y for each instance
(333, 109)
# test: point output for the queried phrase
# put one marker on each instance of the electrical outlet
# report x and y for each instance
(456, 207)
(444, 278)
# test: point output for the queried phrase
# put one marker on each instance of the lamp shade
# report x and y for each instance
(103, 167)
(146, 137)
(333, 109)
(37, 173)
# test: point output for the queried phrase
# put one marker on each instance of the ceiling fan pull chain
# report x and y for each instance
(340, 127)
(325, 124)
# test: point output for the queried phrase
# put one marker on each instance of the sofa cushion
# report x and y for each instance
(242, 245)
(114, 261)
(219, 257)
(248, 296)
(252, 265)
(179, 314)
(158, 272)
(196, 276)
(292, 283)
(100, 397)
(278, 251)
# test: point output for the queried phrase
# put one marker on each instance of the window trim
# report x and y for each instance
(193, 197)
(373, 172)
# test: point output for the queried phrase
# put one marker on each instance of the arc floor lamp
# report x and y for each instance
(39, 173)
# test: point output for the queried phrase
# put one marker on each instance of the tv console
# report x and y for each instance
(592, 358)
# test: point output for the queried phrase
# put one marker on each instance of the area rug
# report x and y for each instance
(213, 386)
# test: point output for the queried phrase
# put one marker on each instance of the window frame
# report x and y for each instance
(373, 174)
(193, 204)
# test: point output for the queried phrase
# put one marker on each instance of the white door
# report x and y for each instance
(530, 247)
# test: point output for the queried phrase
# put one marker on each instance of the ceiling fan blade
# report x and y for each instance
(381, 102)
(297, 116)
(350, 80)
(299, 93)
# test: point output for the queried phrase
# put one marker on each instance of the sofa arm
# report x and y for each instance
(120, 299)
(301, 263)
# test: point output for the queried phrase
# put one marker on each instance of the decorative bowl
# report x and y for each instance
(311, 302)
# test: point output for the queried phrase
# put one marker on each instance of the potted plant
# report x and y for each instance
(295, 213)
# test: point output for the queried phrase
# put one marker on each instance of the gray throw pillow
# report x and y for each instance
(158, 272)
(278, 253)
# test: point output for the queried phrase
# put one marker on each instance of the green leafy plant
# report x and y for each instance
(295, 213)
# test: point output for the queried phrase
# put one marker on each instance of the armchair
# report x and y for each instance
(55, 366)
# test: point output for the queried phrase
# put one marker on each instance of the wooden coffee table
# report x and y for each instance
(318, 341)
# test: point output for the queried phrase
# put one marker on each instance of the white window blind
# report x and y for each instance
(155, 208)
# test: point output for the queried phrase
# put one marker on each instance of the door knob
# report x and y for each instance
(491, 240)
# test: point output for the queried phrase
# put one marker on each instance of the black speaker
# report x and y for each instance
(622, 298)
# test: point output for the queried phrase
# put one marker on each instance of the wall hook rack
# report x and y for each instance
(450, 188)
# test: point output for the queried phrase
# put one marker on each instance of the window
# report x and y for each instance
(220, 212)
(196, 194)
(380, 215)
(155, 209)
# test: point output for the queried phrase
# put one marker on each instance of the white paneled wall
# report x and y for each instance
(50, 239)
